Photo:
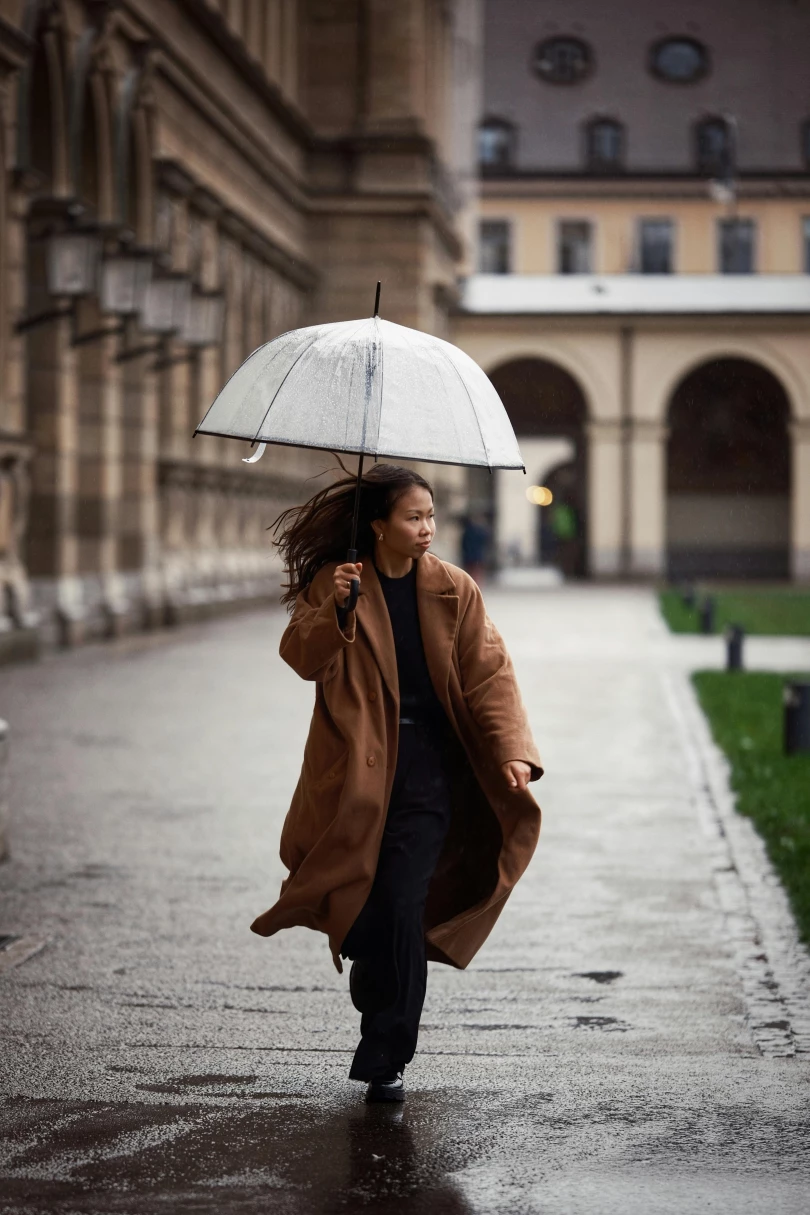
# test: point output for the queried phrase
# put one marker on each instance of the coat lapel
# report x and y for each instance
(438, 620)
(372, 616)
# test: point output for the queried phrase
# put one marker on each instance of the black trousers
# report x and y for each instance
(388, 937)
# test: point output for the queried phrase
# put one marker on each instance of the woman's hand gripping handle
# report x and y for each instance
(347, 584)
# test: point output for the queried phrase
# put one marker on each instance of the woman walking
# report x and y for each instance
(412, 819)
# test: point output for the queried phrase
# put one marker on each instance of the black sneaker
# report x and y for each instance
(386, 1090)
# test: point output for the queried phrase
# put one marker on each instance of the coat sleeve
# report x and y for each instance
(313, 640)
(490, 688)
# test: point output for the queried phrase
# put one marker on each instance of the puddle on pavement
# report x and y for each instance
(94, 1157)
(446, 1152)
(600, 976)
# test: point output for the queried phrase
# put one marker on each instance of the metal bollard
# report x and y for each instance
(796, 699)
(707, 615)
(735, 635)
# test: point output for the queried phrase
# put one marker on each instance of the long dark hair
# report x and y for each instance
(309, 536)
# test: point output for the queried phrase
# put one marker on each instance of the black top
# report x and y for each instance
(417, 697)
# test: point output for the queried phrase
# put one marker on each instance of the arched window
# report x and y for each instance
(496, 144)
(714, 147)
(604, 145)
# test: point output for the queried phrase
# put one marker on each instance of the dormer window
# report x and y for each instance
(604, 145)
(496, 144)
(714, 147)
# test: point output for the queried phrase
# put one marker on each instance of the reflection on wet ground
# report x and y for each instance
(448, 1152)
(290, 1157)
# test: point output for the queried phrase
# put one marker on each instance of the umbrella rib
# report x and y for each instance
(382, 379)
(294, 363)
(252, 355)
(472, 404)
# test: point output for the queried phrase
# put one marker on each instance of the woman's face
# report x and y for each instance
(409, 529)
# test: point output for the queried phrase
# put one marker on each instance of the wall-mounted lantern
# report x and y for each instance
(125, 278)
(165, 304)
(204, 319)
(72, 262)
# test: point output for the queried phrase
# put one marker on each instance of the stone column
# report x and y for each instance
(100, 471)
(647, 469)
(138, 537)
(52, 540)
(800, 505)
(604, 498)
(516, 519)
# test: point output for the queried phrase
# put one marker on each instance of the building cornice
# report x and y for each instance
(211, 21)
(634, 295)
(640, 185)
(412, 204)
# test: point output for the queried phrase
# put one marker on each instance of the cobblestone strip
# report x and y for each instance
(773, 965)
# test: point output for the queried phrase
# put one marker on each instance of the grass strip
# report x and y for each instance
(745, 713)
(783, 612)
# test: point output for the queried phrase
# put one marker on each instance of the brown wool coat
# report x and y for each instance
(331, 837)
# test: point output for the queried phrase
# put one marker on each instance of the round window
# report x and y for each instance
(562, 60)
(679, 60)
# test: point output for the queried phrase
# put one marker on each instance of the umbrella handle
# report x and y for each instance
(354, 589)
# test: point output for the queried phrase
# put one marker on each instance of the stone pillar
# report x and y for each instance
(605, 498)
(647, 469)
(52, 541)
(100, 473)
(800, 505)
(516, 520)
(138, 538)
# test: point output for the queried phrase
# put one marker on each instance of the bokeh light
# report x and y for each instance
(540, 495)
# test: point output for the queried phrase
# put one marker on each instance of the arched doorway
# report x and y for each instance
(548, 412)
(728, 473)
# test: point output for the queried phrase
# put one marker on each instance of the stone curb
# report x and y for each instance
(771, 961)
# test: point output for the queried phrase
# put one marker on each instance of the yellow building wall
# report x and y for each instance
(779, 239)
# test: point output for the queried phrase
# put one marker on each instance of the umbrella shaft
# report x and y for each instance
(356, 512)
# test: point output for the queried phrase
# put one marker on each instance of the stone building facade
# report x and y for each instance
(183, 180)
(642, 294)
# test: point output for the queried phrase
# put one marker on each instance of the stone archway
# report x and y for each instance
(548, 411)
(728, 473)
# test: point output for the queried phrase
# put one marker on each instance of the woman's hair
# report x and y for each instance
(309, 536)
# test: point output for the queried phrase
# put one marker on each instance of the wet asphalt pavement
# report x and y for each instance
(613, 1048)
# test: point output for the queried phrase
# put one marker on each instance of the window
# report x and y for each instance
(574, 246)
(655, 246)
(494, 247)
(806, 244)
(715, 148)
(496, 144)
(736, 246)
(562, 60)
(604, 144)
(679, 60)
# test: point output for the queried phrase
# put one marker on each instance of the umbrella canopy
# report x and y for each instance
(369, 387)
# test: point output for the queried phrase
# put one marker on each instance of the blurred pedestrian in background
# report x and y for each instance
(475, 546)
(412, 819)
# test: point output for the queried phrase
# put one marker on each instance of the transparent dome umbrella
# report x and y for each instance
(371, 388)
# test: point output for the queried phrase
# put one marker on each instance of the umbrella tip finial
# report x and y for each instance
(377, 299)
